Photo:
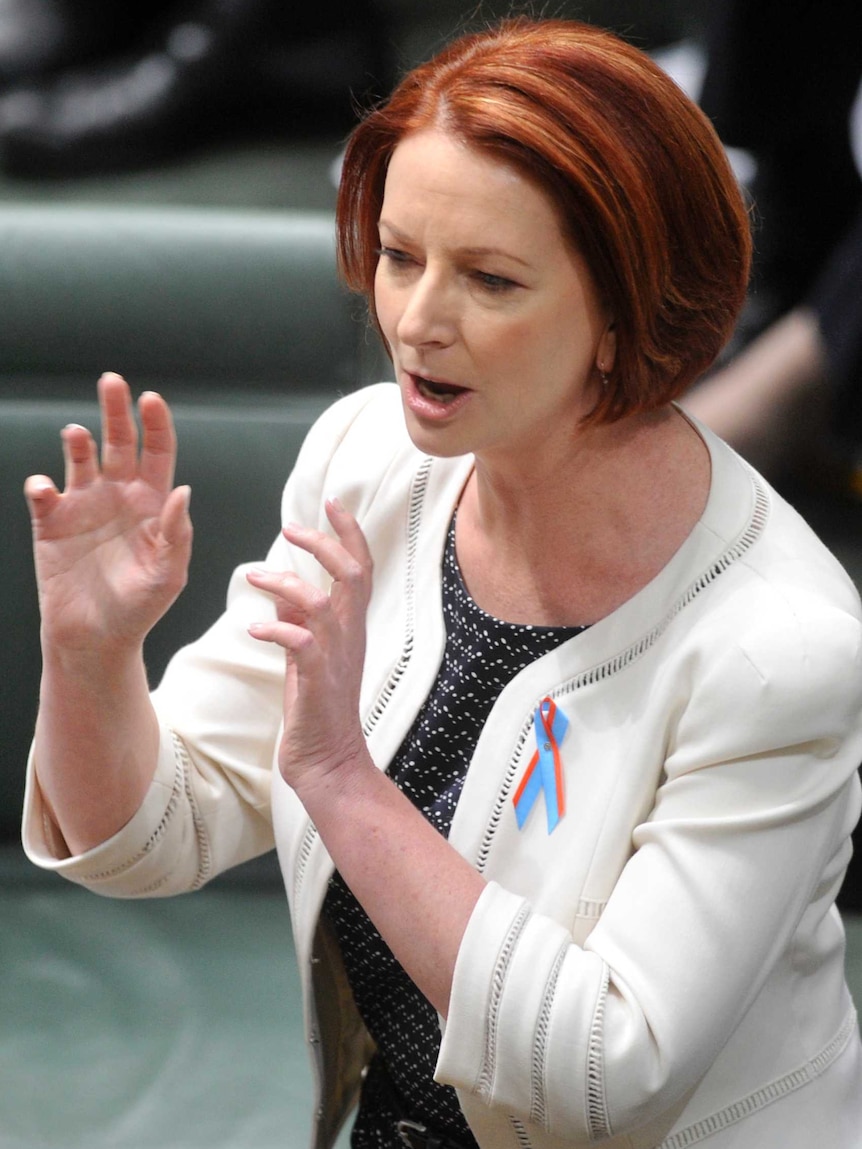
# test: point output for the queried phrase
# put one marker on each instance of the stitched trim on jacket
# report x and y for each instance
(538, 1088)
(598, 1119)
(484, 1081)
(735, 551)
(414, 518)
(302, 856)
(178, 787)
(204, 853)
(520, 1132)
(760, 1098)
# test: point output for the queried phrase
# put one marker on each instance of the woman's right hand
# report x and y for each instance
(111, 551)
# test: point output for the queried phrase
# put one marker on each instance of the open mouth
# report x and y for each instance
(440, 392)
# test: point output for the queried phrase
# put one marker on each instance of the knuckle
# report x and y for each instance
(303, 641)
(319, 603)
(356, 573)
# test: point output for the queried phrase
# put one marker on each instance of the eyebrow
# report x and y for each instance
(471, 252)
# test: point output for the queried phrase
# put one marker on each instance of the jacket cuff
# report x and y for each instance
(506, 1021)
(116, 867)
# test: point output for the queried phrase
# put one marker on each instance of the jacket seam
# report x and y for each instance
(538, 1080)
(485, 1079)
(598, 1119)
(767, 1094)
(204, 852)
(414, 518)
(302, 855)
(520, 1131)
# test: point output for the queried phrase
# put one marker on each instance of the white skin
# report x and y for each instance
(478, 290)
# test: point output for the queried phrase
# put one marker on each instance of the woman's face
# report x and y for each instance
(492, 320)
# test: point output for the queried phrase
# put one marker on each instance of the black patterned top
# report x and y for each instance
(481, 655)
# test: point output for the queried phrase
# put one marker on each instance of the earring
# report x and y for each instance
(603, 375)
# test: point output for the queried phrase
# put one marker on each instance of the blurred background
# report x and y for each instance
(239, 103)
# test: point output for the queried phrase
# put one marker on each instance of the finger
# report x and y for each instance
(175, 522)
(80, 456)
(349, 531)
(159, 452)
(119, 432)
(295, 601)
(41, 495)
(346, 558)
(297, 642)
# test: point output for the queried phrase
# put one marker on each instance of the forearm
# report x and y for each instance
(416, 889)
(96, 744)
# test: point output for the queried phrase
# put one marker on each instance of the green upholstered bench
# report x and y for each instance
(227, 303)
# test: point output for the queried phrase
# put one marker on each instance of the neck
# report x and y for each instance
(567, 538)
(595, 474)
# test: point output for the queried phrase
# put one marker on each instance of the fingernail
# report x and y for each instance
(335, 502)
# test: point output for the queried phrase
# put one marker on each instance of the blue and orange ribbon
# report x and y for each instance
(545, 770)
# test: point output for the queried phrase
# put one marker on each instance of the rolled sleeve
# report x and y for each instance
(508, 1036)
(127, 864)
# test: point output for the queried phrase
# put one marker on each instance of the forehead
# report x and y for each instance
(436, 180)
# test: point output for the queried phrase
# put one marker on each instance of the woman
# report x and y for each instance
(614, 679)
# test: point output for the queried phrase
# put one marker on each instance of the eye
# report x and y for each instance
(495, 284)
(394, 256)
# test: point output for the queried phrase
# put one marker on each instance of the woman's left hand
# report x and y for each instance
(323, 636)
(415, 887)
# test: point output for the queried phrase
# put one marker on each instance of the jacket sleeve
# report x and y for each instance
(220, 708)
(748, 833)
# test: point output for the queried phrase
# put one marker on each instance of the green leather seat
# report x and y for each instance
(191, 299)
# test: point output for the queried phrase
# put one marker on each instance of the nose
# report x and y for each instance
(427, 316)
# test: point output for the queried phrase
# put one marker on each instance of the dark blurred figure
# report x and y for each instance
(781, 82)
(93, 86)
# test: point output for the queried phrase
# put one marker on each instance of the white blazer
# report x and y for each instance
(666, 967)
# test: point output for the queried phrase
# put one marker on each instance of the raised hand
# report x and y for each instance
(112, 549)
(323, 636)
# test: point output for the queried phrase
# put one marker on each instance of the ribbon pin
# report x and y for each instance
(545, 771)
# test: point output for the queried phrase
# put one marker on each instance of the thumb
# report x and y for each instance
(175, 524)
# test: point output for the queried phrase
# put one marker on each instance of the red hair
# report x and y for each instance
(636, 170)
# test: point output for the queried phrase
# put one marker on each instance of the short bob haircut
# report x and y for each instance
(640, 179)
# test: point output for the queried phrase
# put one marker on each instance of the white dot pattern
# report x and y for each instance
(481, 655)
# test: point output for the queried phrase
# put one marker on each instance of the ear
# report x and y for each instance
(606, 352)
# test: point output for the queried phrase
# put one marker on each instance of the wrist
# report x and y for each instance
(92, 670)
(332, 789)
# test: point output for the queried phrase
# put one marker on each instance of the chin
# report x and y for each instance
(441, 442)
